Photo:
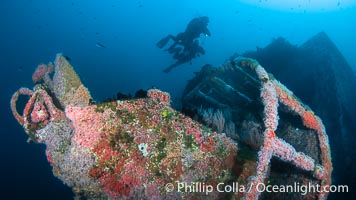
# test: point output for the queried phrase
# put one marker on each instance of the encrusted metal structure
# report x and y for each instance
(144, 149)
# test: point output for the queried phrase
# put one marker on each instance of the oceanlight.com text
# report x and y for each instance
(199, 187)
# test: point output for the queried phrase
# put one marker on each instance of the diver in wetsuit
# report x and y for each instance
(186, 55)
(195, 28)
(186, 45)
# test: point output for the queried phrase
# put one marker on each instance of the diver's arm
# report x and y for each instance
(207, 32)
(202, 50)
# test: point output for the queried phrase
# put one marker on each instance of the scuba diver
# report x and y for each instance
(186, 55)
(185, 45)
(195, 28)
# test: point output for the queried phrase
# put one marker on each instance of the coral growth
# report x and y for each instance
(272, 91)
(121, 149)
(39, 73)
(124, 143)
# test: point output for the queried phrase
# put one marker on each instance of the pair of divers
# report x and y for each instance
(185, 45)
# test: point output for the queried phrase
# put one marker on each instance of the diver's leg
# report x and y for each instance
(168, 69)
(178, 40)
(175, 51)
(179, 62)
(164, 41)
(173, 46)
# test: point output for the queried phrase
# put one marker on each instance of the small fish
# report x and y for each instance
(99, 45)
(67, 58)
(20, 69)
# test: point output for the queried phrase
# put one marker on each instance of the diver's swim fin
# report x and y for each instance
(163, 41)
(167, 70)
